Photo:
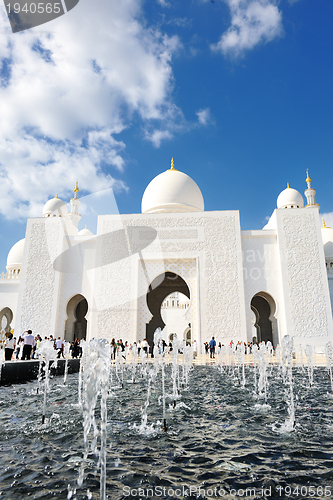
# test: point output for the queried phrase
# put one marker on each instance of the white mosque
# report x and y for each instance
(235, 285)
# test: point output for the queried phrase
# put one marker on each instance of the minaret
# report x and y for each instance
(74, 215)
(310, 193)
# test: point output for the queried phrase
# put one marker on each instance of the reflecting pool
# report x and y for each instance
(222, 439)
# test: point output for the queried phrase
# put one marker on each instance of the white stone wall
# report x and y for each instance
(223, 315)
(262, 274)
(38, 277)
(113, 289)
(41, 275)
(330, 286)
(223, 269)
(207, 243)
(77, 278)
(304, 277)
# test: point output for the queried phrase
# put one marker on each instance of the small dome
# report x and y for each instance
(172, 191)
(85, 232)
(15, 255)
(290, 198)
(55, 208)
(327, 235)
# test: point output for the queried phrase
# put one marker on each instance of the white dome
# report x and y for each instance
(55, 208)
(290, 198)
(85, 232)
(172, 191)
(327, 235)
(15, 255)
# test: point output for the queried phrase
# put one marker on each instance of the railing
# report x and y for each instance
(12, 274)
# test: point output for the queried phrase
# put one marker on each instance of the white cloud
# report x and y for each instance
(157, 136)
(163, 3)
(203, 116)
(252, 22)
(69, 92)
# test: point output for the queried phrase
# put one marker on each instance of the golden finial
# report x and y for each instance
(324, 225)
(173, 166)
(307, 176)
(288, 185)
(76, 190)
(57, 195)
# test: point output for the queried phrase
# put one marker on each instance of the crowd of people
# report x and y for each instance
(26, 346)
(120, 348)
(211, 346)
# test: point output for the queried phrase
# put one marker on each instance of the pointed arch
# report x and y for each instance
(6, 317)
(264, 307)
(76, 323)
(162, 286)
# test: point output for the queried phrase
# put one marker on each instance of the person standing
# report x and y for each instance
(212, 345)
(113, 348)
(18, 347)
(29, 342)
(59, 347)
(75, 348)
(38, 341)
(121, 347)
(9, 347)
(145, 346)
(195, 348)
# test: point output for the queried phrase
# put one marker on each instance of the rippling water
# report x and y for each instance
(219, 436)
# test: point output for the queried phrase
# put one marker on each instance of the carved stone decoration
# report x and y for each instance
(307, 297)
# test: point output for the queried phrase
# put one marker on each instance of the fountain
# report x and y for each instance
(309, 356)
(329, 356)
(120, 442)
(66, 353)
(159, 362)
(46, 354)
(95, 384)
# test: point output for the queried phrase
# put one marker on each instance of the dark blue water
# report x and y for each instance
(221, 441)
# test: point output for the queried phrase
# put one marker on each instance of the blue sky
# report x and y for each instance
(239, 92)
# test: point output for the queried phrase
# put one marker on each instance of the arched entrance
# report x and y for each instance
(162, 286)
(6, 317)
(187, 335)
(76, 323)
(264, 308)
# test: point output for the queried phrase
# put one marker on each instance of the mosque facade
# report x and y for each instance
(220, 280)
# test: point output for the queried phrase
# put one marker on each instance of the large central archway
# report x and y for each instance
(158, 290)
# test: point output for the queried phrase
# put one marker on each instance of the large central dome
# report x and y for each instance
(172, 191)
